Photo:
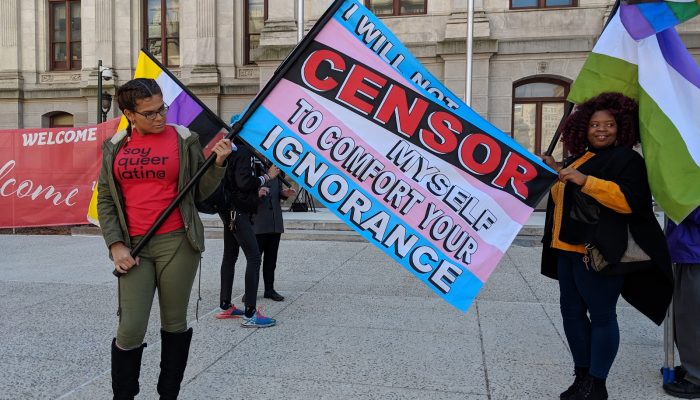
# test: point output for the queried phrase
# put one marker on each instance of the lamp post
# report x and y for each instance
(106, 74)
(106, 104)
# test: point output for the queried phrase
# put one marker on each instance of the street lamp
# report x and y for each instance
(106, 74)
(106, 104)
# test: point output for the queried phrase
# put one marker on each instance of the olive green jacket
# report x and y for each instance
(110, 203)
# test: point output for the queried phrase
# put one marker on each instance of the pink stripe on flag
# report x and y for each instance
(486, 258)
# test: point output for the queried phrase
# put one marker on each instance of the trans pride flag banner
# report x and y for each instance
(643, 19)
(355, 119)
(665, 80)
(185, 109)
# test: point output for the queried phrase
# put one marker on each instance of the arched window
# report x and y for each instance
(538, 106)
(60, 119)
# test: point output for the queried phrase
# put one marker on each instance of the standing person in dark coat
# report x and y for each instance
(269, 226)
(600, 135)
(243, 189)
(684, 245)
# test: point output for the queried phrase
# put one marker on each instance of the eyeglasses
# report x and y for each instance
(151, 115)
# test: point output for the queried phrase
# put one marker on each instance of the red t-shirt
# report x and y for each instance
(147, 169)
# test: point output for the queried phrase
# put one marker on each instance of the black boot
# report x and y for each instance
(126, 367)
(173, 360)
(592, 388)
(570, 394)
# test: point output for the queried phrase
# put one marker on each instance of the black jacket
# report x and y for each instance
(242, 183)
(648, 287)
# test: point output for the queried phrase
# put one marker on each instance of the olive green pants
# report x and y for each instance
(167, 263)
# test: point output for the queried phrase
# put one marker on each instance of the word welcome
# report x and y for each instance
(60, 137)
(27, 188)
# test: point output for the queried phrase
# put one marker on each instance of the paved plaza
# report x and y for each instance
(355, 325)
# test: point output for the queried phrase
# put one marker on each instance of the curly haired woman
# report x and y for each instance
(604, 169)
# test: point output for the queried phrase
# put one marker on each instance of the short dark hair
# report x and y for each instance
(136, 89)
(624, 110)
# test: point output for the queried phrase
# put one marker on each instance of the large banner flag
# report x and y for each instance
(643, 19)
(355, 119)
(185, 109)
(663, 77)
(47, 174)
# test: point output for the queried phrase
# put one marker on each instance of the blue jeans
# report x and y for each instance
(588, 301)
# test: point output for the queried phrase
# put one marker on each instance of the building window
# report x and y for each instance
(256, 15)
(384, 8)
(538, 106)
(61, 120)
(524, 4)
(64, 33)
(162, 38)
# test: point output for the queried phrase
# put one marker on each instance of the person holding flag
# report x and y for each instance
(144, 167)
(684, 245)
(610, 177)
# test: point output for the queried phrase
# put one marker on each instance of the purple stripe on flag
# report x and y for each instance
(183, 110)
(678, 57)
(637, 26)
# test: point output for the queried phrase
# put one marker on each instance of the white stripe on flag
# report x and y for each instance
(617, 42)
(675, 96)
(169, 87)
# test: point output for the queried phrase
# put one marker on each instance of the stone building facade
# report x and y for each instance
(525, 54)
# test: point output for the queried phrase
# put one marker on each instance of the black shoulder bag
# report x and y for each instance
(585, 209)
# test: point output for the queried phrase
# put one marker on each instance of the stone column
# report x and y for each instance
(277, 38)
(314, 10)
(9, 35)
(97, 42)
(453, 50)
(11, 82)
(97, 35)
(198, 35)
(127, 20)
(281, 25)
(198, 50)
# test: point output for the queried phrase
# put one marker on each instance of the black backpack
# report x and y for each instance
(216, 202)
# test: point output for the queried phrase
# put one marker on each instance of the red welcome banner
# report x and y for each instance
(47, 174)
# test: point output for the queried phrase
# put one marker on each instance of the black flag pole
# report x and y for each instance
(237, 126)
(569, 107)
(557, 134)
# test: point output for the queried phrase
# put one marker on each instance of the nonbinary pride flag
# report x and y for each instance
(355, 119)
(185, 109)
(643, 19)
(663, 77)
